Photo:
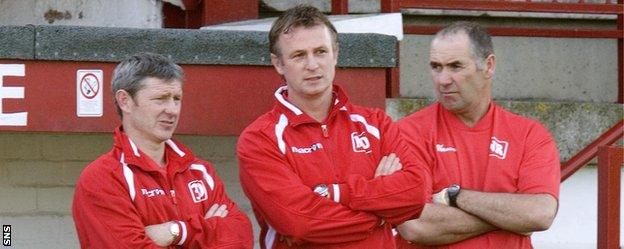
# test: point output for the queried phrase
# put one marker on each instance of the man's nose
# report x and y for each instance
(312, 63)
(172, 106)
(444, 78)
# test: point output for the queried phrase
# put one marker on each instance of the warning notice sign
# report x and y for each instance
(89, 100)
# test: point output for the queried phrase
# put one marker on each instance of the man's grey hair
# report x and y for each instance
(131, 72)
(480, 40)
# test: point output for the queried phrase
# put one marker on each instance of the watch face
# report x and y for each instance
(174, 230)
(453, 188)
(322, 190)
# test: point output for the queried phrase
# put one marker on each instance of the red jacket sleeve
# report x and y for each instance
(232, 231)
(398, 197)
(104, 214)
(290, 207)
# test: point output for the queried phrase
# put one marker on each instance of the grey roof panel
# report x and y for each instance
(185, 46)
(16, 42)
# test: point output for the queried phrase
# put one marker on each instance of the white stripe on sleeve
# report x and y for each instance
(371, 129)
(129, 176)
(207, 177)
(336, 193)
(279, 132)
(183, 233)
(269, 239)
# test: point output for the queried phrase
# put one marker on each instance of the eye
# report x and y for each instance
(297, 56)
(321, 51)
(436, 67)
(456, 66)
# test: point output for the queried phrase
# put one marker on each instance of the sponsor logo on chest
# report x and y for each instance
(498, 148)
(152, 192)
(360, 142)
(442, 148)
(198, 191)
(307, 150)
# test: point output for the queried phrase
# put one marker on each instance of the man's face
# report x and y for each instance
(459, 85)
(154, 111)
(307, 61)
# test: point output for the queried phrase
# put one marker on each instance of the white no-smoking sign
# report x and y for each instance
(89, 101)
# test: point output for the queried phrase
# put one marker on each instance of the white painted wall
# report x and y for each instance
(102, 13)
(575, 226)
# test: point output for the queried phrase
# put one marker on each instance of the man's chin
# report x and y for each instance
(164, 136)
(318, 90)
(451, 106)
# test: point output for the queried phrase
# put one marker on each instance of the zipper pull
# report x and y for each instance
(173, 196)
(324, 129)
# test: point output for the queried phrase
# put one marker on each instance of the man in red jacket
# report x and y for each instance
(319, 171)
(495, 174)
(150, 191)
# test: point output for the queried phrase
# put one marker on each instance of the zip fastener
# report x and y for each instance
(174, 200)
(173, 197)
(324, 130)
(328, 147)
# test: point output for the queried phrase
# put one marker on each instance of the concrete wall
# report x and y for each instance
(560, 69)
(37, 177)
(109, 13)
(38, 172)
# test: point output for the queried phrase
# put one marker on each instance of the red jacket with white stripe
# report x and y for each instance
(123, 191)
(285, 153)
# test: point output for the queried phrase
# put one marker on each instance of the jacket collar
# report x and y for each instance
(297, 116)
(178, 156)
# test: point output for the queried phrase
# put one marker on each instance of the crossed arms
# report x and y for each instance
(532, 208)
(478, 213)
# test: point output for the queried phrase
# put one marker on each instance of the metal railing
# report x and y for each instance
(609, 176)
(610, 161)
(554, 6)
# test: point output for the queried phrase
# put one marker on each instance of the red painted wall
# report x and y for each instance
(218, 100)
(208, 12)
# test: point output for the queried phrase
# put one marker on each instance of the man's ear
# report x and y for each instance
(490, 66)
(277, 64)
(124, 100)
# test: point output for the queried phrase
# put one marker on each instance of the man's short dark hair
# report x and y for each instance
(480, 40)
(299, 16)
(131, 72)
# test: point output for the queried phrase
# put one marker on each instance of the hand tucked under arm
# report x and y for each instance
(388, 165)
(216, 210)
(518, 213)
(160, 234)
(440, 224)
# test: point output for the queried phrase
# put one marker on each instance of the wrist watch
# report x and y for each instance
(453, 192)
(174, 230)
(322, 190)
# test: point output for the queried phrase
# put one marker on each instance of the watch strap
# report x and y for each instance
(453, 192)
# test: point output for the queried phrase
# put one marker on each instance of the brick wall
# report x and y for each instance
(38, 172)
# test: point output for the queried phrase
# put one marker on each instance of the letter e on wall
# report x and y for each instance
(18, 118)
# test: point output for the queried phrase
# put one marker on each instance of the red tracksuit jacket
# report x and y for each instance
(123, 191)
(285, 153)
(502, 153)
